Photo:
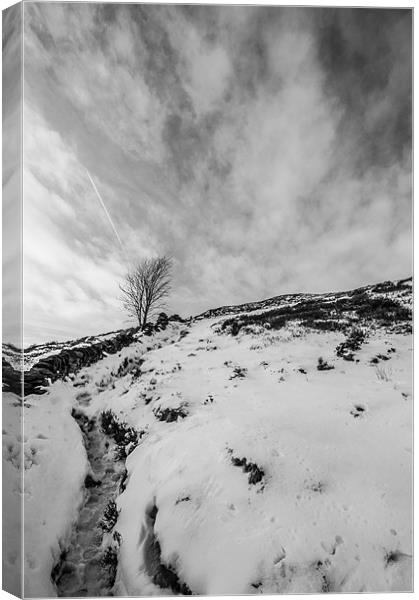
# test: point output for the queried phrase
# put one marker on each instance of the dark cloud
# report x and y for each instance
(266, 148)
(160, 58)
(368, 62)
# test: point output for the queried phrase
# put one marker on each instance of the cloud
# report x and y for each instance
(204, 67)
(11, 206)
(268, 150)
(72, 264)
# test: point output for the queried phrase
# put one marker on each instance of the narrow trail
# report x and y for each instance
(83, 569)
(88, 564)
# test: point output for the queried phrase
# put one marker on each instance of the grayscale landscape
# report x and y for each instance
(215, 369)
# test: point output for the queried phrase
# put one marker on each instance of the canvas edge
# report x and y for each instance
(12, 273)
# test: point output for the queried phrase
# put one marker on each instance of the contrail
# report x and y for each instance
(105, 209)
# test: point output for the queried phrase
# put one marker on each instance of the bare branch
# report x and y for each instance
(146, 287)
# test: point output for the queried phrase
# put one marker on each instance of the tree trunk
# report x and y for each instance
(144, 318)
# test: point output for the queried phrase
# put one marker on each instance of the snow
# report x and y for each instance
(55, 465)
(12, 488)
(332, 509)
(334, 506)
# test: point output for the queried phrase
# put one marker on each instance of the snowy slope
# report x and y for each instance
(332, 511)
(401, 290)
(242, 467)
(54, 466)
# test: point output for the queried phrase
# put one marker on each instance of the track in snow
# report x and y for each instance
(81, 570)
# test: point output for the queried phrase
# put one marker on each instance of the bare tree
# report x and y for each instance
(146, 287)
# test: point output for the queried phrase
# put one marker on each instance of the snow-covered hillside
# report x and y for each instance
(266, 450)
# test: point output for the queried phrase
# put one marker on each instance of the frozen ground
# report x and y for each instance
(253, 471)
(332, 510)
(54, 466)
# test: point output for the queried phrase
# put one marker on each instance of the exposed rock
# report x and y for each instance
(60, 365)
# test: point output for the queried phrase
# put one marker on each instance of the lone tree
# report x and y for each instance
(146, 287)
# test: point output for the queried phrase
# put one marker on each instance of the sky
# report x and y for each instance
(266, 149)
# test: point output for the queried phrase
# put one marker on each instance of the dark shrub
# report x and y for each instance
(323, 365)
(123, 482)
(162, 321)
(327, 313)
(239, 372)
(255, 472)
(110, 516)
(110, 562)
(352, 344)
(125, 437)
(176, 318)
(130, 365)
(170, 415)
